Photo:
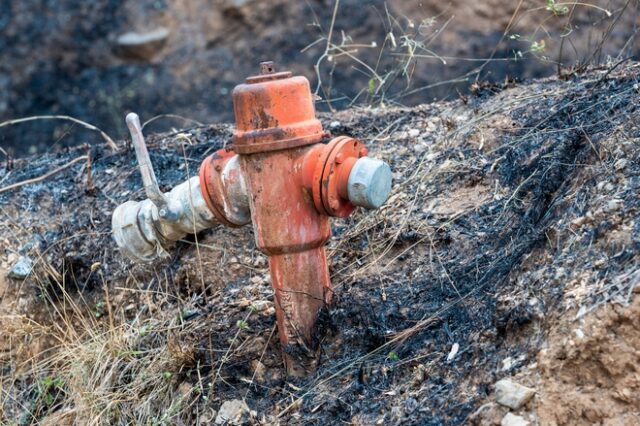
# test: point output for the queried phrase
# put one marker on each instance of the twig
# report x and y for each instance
(86, 125)
(176, 116)
(90, 186)
(44, 176)
(327, 47)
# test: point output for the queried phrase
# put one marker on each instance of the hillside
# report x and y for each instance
(509, 248)
(68, 56)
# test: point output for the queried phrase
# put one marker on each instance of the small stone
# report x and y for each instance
(419, 148)
(578, 222)
(453, 352)
(414, 133)
(143, 46)
(22, 268)
(256, 280)
(259, 370)
(513, 395)
(507, 363)
(513, 420)
(620, 164)
(418, 376)
(238, 3)
(233, 412)
(613, 205)
(261, 305)
(334, 124)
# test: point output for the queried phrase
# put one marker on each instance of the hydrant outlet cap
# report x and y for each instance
(369, 183)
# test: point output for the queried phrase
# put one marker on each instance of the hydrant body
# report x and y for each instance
(290, 184)
(276, 129)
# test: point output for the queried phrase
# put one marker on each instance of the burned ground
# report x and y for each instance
(63, 57)
(514, 213)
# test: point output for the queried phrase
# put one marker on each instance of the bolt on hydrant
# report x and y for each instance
(278, 175)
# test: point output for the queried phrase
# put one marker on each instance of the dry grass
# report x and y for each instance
(105, 368)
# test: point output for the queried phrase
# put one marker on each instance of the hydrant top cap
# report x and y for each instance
(268, 73)
(274, 111)
(268, 77)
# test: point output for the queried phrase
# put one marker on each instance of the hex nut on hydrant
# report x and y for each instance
(281, 176)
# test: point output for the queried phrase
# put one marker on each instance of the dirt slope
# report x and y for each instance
(63, 57)
(514, 211)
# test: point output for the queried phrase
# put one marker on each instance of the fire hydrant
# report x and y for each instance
(278, 175)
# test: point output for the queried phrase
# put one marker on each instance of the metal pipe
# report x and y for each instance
(145, 230)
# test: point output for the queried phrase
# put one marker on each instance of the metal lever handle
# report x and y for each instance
(149, 180)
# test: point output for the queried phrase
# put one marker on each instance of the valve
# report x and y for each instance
(145, 230)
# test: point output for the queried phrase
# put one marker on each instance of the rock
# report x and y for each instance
(614, 205)
(414, 133)
(419, 148)
(513, 420)
(143, 46)
(238, 3)
(507, 363)
(233, 412)
(453, 352)
(620, 164)
(22, 268)
(261, 305)
(259, 370)
(513, 395)
(418, 376)
(488, 414)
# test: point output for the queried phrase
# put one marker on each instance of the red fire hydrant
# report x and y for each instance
(278, 173)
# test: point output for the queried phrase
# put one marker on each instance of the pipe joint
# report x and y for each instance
(145, 230)
(342, 177)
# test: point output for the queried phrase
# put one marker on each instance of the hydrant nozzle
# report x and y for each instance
(281, 177)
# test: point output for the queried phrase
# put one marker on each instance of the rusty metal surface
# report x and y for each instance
(273, 112)
(290, 230)
(223, 188)
(332, 175)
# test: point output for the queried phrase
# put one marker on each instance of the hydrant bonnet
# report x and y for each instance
(274, 111)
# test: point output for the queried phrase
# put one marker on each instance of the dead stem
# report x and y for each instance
(44, 176)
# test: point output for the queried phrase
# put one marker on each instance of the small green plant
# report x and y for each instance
(537, 46)
(371, 89)
(167, 375)
(99, 310)
(393, 356)
(49, 388)
(558, 9)
(242, 324)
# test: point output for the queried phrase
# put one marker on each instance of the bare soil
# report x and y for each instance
(589, 374)
(62, 57)
(513, 222)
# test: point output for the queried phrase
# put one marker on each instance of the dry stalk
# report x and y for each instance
(86, 125)
(44, 176)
